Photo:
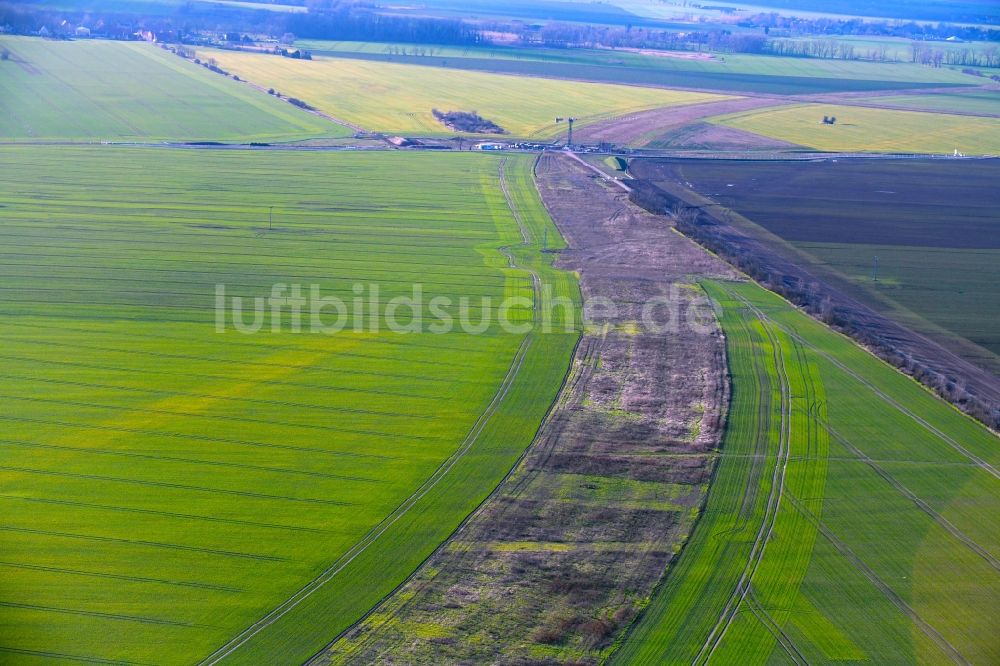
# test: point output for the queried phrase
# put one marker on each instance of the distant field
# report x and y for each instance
(732, 72)
(399, 98)
(852, 516)
(537, 11)
(860, 129)
(955, 11)
(733, 63)
(977, 102)
(266, 6)
(168, 485)
(933, 225)
(118, 91)
(897, 48)
(955, 289)
(960, 11)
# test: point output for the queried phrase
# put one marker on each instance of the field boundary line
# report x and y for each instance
(361, 546)
(314, 111)
(910, 495)
(878, 583)
(568, 384)
(759, 545)
(979, 462)
(757, 608)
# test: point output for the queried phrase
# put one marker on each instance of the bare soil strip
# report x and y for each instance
(567, 550)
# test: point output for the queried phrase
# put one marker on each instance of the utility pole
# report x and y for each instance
(545, 239)
(569, 136)
(875, 269)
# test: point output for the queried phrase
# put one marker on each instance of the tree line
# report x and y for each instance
(562, 35)
(776, 25)
(191, 22)
(826, 304)
(351, 23)
(923, 53)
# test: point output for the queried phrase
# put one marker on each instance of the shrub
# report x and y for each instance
(299, 103)
(467, 121)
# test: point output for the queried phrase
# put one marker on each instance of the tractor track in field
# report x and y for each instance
(742, 589)
(525, 236)
(765, 618)
(842, 547)
(568, 381)
(878, 583)
(403, 508)
(546, 438)
(905, 492)
(361, 546)
(976, 460)
(61, 656)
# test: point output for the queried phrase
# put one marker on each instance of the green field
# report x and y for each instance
(399, 98)
(852, 517)
(931, 223)
(120, 91)
(166, 485)
(953, 288)
(730, 63)
(730, 72)
(860, 129)
(981, 102)
(960, 10)
(897, 49)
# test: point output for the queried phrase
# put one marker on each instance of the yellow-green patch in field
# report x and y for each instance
(860, 129)
(400, 99)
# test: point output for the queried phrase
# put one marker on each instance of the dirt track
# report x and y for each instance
(683, 127)
(640, 128)
(603, 496)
